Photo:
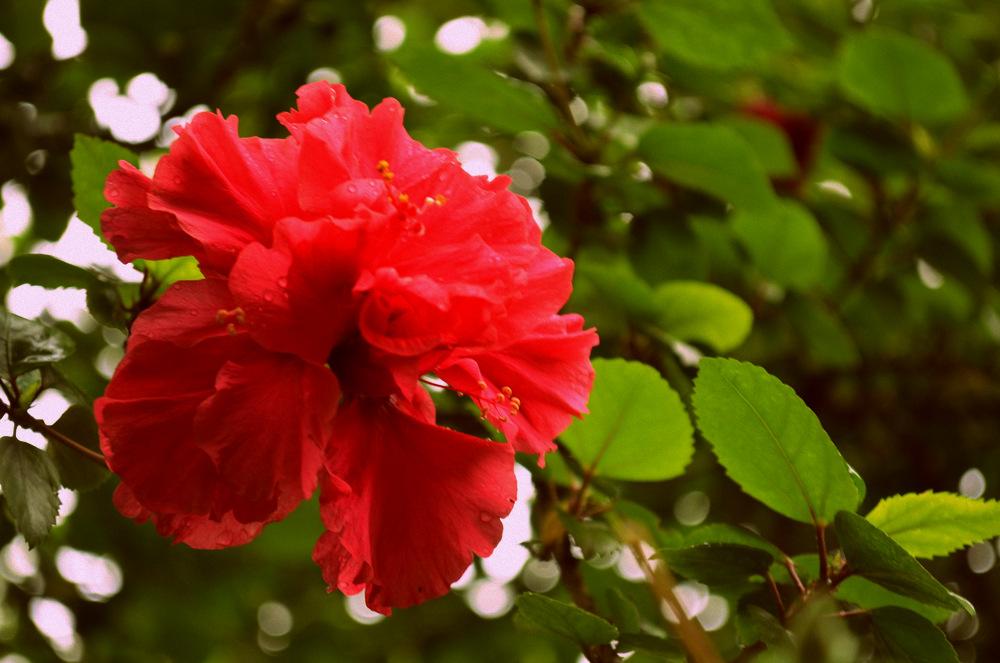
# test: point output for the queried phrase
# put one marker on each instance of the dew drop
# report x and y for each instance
(268, 297)
(485, 517)
(282, 282)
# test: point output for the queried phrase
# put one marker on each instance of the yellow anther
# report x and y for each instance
(500, 398)
(382, 166)
(220, 316)
(482, 385)
(503, 419)
(507, 391)
(515, 402)
(404, 198)
(231, 329)
(440, 200)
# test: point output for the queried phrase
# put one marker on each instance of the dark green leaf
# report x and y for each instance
(49, 272)
(637, 428)
(722, 533)
(26, 344)
(30, 483)
(669, 649)
(75, 471)
(718, 563)
(876, 557)
(93, 160)
(623, 612)
(758, 625)
(710, 158)
(768, 143)
(567, 620)
(467, 87)
(898, 76)
(866, 594)
(716, 34)
(909, 638)
(785, 243)
(770, 442)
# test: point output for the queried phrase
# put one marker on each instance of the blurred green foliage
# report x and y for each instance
(830, 169)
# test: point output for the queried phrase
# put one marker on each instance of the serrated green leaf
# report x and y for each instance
(76, 472)
(711, 158)
(785, 243)
(892, 74)
(701, 312)
(770, 442)
(565, 619)
(716, 34)
(637, 428)
(49, 272)
(874, 556)
(463, 85)
(718, 563)
(93, 160)
(909, 638)
(26, 344)
(932, 524)
(30, 483)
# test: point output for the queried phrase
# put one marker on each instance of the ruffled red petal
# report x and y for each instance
(297, 296)
(548, 372)
(410, 505)
(190, 312)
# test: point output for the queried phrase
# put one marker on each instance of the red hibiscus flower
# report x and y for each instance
(343, 265)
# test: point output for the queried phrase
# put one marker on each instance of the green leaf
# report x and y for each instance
(723, 533)
(711, 158)
(463, 85)
(30, 483)
(702, 312)
(26, 344)
(718, 563)
(754, 624)
(909, 638)
(785, 243)
(48, 272)
(716, 34)
(866, 594)
(898, 76)
(664, 649)
(618, 285)
(92, 161)
(75, 471)
(876, 557)
(637, 428)
(932, 524)
(770, 442)
(623, 612)
(169, 271)
(769, 143)
(582, 627)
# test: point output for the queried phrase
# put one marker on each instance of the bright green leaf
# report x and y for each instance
(716, 34)
(702, 312)
(723, 533)
(892, 74)
(785, 243)
(637, 428)
(711, 158)
(909, 638)
(30, 483)
(93, 160)
(770, 442)
(874, 556)
(26, 344)
(932, 524)
(567, 620)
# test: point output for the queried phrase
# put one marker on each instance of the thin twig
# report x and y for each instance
(824, 563)
(777, 595)
(790, 565)
(25, 420)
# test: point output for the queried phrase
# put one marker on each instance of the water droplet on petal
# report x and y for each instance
(485, 517)
(282, 282)
(268, 297)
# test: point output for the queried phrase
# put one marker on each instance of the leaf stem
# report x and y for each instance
(790, 565)
(824, 562)
(22, 418)
(777, 596)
